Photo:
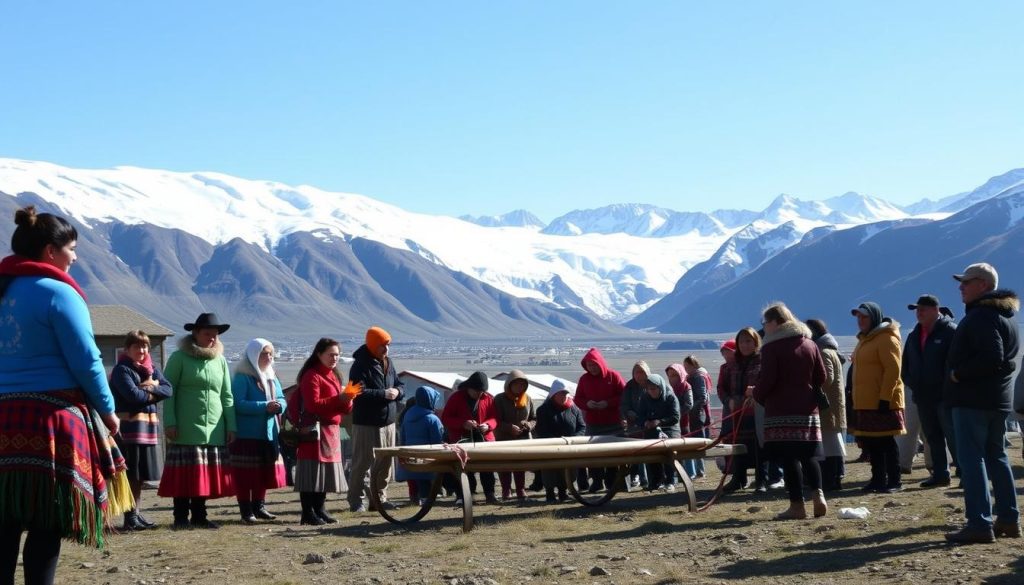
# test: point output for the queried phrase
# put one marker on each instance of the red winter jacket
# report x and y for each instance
(320, 390)
(607, 387)
(457, 411)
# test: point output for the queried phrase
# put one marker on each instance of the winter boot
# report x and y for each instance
(820, 505)
(319, 508)
(245, 508)
(181, 514)
(259, 509)
(309, 516)
(796, 511)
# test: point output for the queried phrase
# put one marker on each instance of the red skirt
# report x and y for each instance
(256, 464)
(196, 471)
(51, 467)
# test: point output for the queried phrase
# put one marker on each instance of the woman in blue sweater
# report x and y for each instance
(256, 462)
(52, 479)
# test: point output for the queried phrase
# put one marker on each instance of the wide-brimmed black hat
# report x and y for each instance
(207, 320)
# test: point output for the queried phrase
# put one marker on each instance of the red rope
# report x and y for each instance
(460, 453)
(747, 405)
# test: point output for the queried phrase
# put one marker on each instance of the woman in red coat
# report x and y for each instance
(470, 416)
(791, 372)
(598, 395)
(322, 402)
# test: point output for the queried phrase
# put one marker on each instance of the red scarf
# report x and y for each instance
(15, 265)
(144, 368)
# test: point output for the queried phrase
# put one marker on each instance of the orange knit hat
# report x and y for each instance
(376, 339)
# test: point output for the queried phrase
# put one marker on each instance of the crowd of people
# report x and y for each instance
(782, 387)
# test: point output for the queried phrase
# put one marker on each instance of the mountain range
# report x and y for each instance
(297, 258)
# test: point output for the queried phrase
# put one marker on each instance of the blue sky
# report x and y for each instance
(486, 106)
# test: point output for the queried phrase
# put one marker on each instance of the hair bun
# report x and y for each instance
(25, 217)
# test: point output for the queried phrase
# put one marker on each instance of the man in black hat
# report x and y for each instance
(924, 374)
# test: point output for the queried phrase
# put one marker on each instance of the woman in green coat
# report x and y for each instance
(199, 421)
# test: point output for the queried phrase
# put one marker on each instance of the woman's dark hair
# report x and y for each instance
(37, 231)
(314, 358)
(817, 327)
(692, 361)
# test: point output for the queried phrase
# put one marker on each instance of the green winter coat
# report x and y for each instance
(202, 407)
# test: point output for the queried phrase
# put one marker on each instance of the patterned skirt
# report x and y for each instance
(879, 423)
(53, 467)
(256, 464)
(196, 471)
(804, 428)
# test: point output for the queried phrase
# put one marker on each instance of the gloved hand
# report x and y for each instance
(352, 389)
(883, 406)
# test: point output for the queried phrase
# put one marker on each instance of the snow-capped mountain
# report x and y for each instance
(635, 219)
(615, 275)
(954, 203)
(517, 218)
(615, 261)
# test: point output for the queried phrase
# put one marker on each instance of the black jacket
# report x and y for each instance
(983, 352)
(370, 408)
(552, 421)
(924, 372)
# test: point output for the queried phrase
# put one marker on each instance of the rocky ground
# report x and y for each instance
(638, 538)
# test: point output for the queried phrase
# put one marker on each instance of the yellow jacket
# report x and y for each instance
(876, 368)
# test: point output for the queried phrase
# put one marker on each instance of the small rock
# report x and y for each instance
(114, 570)
(756, 509)
(620, 558)
(723, 550)
(599, 572)
(566, 569)
(86, 565)
(644, 572)
(314, 558)
(603, 556)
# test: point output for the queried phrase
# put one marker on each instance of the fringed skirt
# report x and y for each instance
(52, 474)
(256, 464)
(196, 471)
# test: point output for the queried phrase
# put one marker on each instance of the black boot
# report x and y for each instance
(308, 515)
(131, 521)
(181, 514)
(320, 509)
(259, 509)
(245, 508)
(199, 519)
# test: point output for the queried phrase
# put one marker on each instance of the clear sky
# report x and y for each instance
(484, 106)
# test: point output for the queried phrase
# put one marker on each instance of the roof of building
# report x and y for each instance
(117, 320)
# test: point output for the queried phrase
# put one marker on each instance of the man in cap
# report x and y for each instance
(980, 372)
(924, 374)
(374, 412)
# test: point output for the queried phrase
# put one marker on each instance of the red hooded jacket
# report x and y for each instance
(606, 387)
(457, 411)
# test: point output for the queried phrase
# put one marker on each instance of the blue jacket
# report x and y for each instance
(664, 409)
(420, 426)
(251, 408)
(47, 343)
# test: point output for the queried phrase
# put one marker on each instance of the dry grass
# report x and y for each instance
(639, 538)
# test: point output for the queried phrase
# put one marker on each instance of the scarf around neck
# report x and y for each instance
(15, 265)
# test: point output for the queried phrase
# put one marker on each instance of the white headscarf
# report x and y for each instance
(252, 353)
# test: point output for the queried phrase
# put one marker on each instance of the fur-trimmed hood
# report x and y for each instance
(188, 345)
(1003, 300)
(887, 326)
(787, 330)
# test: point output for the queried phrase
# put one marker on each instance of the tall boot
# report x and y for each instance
(796, 511)
(259, 509)
(245, 508)
(131, 521)
(180, 514)
(320, 508)
(820, 505)
(199, 519)
(308, 515)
